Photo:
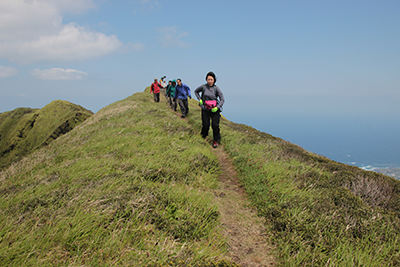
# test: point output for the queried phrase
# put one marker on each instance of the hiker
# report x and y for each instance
(162, 82)
(182, 94)
(210, 101)
(155, 89)
(166, 89)
(171, 92)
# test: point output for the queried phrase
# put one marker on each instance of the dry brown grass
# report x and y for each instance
(375, 192)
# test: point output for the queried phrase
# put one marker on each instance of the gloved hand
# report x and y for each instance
(201, 102)
(190, 97)
(215, 109)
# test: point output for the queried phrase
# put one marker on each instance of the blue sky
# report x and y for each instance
(274, 59)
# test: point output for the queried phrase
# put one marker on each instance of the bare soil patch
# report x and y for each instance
(244, 230)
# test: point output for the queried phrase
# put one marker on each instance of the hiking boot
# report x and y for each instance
(182, 116)
(215, 144)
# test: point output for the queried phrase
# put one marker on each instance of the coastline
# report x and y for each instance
(393, 172)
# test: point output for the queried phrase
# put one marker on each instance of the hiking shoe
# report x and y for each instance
(215, 144)
(182, 117)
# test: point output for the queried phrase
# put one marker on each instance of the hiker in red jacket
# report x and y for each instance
(155, 89)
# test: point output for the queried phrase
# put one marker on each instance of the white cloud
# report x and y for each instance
(169, 36)
(71, 43)
(32, 31)
(7, 72)
(72, 6)
(136, 46)
(58, 74)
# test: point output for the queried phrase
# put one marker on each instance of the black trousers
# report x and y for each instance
(156, 97)
(206, 116)
(184, 105)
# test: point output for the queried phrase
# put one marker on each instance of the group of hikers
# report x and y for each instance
(210, 99)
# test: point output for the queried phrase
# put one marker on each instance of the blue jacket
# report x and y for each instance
(182, 92)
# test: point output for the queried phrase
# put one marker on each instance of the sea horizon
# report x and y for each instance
(369, 144)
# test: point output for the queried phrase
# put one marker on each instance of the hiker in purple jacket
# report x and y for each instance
(210, 101)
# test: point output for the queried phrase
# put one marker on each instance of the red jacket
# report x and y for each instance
(155, 87)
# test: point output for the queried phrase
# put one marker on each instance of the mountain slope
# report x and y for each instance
(131, 186)
(318, 212)
(24, 130)
(135, 185)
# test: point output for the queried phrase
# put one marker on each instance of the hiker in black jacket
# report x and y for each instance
(211, 101)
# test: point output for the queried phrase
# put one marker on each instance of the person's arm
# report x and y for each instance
(197, 92)
(188, 91)
(221, 98)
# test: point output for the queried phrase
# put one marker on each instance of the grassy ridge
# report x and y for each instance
(132, 186)
(24, 130)
(128, 187)
(319, 212)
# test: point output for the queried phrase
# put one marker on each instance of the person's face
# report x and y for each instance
(179, 82)
(210, 80)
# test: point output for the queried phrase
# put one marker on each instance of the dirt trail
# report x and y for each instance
(242, 227)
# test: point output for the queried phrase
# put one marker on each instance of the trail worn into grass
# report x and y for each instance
(243, 228)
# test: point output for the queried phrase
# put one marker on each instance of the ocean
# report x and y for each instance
(364, 142)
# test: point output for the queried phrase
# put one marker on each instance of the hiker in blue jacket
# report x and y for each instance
(182, 94)
(211, 102)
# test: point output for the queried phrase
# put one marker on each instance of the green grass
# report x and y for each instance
(319, 212)
(131, 186)
(25, 130)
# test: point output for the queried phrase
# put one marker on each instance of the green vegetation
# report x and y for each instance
(319, 212)
(133, 186)
(24, 130)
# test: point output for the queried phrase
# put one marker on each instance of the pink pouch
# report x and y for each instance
(210, 104)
